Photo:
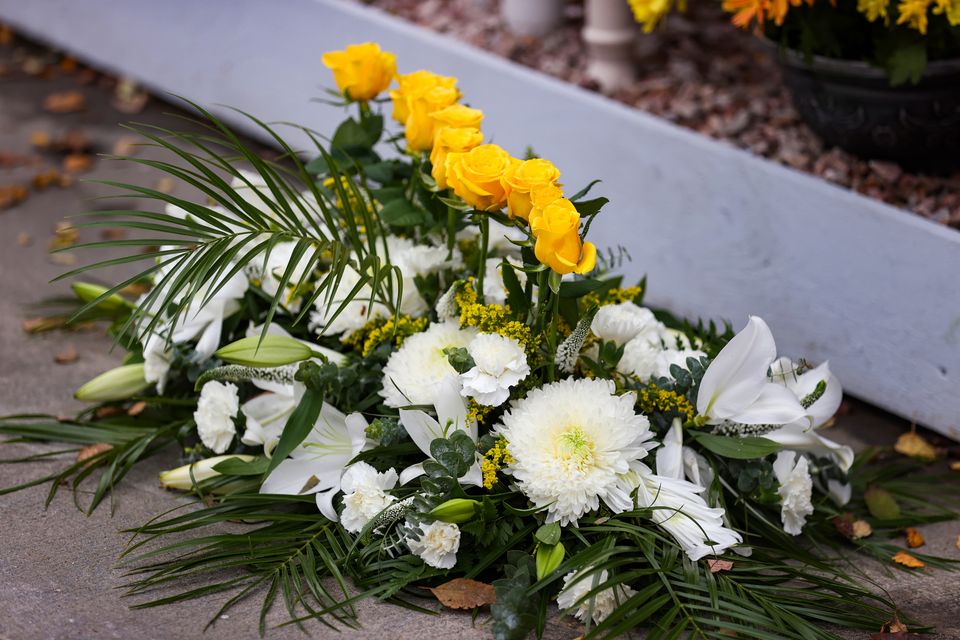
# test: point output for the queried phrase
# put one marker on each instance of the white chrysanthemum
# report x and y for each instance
(365, 494)
(577, 584)
(156, 361)
(670, 357)
(640, 357)
(796, 490)
(354, 314)
(415, 370)
(500, 364)
(437, 545)
(419, 259)
(574, 443)
(622, 322)
(216, 409)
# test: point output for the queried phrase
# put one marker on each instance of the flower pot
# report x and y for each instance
(532, 17)
(851, 104)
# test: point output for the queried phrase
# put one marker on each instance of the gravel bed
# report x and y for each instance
(702, 73)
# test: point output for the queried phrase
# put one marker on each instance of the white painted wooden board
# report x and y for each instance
(721, 233)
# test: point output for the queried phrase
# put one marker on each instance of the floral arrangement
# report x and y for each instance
(415, 372)
(898, 36)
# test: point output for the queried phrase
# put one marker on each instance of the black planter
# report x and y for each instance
(851, 105)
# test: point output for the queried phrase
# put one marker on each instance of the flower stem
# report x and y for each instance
(552, 335)
(451, 231)
(484, 241)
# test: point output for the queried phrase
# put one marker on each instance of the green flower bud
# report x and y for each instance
(549, 557)
(116, 384)
(272, 351)
(455, 511)
(183, 478)
(111, 304)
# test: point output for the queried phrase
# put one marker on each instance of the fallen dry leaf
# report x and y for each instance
(126, 145)
(128, 97)
(464, 593)
(73, 141)
(86, 76)
(24, 239)
(66, 356)
(68, 64)
(955, 466)
(719, 565)
(958, 542)
(135, 290)
(10, 160)
(907, 560)
(41, 324)
(113, 234)
(913, 445)
(40, 139)
(64, 102)
(66, 180)
(914, 537)
(11, 195)
(92, 450)
(895, 626)
(861, 529)
(64, 235)
(77, 163)
(45, 178)
(107, 411)
(63, 259)
(165, 185)
(6, 34)
(136, 408)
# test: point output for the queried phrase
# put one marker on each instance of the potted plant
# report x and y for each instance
(878, 78)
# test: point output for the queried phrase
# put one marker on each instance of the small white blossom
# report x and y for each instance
(494, 289)
(365, 494)
(640, 358)
(576, 585)
(796, 489)
(669, 357)
(414, 372)
(438, 544)
(500, 364)
(216, 409)
(156, 361)
(446, 306)
(622, 322)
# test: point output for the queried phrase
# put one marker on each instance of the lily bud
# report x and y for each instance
(116, 384)
(183, 478)
(549, 557)
(272, 351)
(113, 303)
(456, 510)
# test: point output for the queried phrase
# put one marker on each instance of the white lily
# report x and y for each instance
(318, 464)
(735, 387)
(677, 461)
(424, 429)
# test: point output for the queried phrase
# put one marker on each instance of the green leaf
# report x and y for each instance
(907, 62)
(516, 298)
(301, 422)
(548, 534)
(580, 288)
(403, 213)
(745, 448)
(881, 503)
(590, 207)
(236, 466)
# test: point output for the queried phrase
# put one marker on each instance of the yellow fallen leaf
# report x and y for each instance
(958, 542)
(861, 529)
(914, 538)
(907, 560)
(136, 408)
(66, 356)
(913, 445)
(92, 450)
(719, 565)
(955, 466)
(464, 593)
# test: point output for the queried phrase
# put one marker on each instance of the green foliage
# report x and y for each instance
(737, 447)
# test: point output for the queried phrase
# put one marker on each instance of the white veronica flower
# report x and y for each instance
(735, 388)
(414, 372)
(669, 357)
(577, 584)
(500, 364)
(156, 361)
(424, 428)
(316, 466)
(796, 489)
(622, 322)
(365, 494)
(437, 545)
(574, 443)
(640, 358)
(216, 408)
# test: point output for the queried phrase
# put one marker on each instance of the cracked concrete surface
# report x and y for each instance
(59, 578)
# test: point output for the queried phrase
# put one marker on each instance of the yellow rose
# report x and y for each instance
(457, 116)
(556, 227)
(475, 176)
(450, 140)
(361, 71)
(522, 179)
(420, 126)
(414, 84)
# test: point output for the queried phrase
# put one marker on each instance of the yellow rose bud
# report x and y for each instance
(413, 85)
(475, 176)
(451, 141)
(361, 71)
(542, 196)
(420, 126)
(566, 254)
(457, 116)
(523, 178)
(554, 220)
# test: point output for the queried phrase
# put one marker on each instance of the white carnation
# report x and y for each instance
(414, 372)
(796, 489)
(574, 443)
(365, 494)
(577, 584)
(622, 322)
(437, 545)
(216, 409)
(500, 364)
(640, 358)
(670, 357)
